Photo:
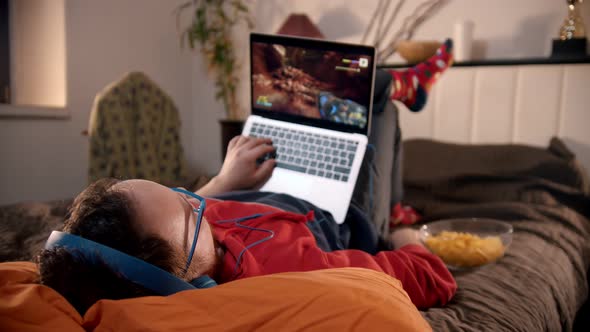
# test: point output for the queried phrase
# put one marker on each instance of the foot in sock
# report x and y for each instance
(403, 215)
(412, 86)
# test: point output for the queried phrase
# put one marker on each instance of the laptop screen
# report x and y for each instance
(312, 81)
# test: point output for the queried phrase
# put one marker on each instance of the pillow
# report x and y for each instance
(327, 300)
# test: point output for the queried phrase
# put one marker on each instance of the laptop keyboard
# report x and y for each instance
(309, 153)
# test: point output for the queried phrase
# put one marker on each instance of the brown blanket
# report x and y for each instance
(24, 227)
(541, 282)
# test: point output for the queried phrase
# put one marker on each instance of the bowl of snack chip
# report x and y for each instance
(468, 242)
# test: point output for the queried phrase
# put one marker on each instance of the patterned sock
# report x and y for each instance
(403, 215)
(412, 85)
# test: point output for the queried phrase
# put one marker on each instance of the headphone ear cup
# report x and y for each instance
(132, 268)
(203, 282)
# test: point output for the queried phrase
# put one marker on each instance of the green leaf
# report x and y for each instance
(240, 6)
(211, 29)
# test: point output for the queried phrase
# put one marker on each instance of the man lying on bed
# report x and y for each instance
(242, 235)
(235, 239)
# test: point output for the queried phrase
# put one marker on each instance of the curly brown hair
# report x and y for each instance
(102, 215)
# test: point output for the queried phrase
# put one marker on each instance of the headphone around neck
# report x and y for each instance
(131, 268)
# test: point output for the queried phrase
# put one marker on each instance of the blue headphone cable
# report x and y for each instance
(238, 222)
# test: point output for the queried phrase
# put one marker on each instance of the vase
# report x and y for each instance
(229, 129)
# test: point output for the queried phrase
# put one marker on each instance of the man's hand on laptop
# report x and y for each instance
(240, 168)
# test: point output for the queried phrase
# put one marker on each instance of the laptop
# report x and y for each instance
(313, 98)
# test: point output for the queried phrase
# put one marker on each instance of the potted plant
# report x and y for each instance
(211, 30)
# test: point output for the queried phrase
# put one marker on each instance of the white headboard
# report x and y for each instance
(525, 104)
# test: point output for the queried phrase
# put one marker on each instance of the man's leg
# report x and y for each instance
(412, 86)
(380, 180)
(379, 186)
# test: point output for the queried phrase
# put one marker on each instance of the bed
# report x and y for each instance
(541, 283)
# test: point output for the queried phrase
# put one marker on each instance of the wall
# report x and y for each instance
(45, 159)
(503, 29)
(508, 104)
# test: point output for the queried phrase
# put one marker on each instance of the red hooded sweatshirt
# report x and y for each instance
(286, 244)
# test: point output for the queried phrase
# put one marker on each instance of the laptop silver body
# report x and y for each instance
(314, 99)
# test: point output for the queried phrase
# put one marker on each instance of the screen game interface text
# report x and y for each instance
(317, 84)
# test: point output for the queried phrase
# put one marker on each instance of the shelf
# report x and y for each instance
(505, 62)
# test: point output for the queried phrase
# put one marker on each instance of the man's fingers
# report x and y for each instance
(256, 141)
(234, 141)
(243, 140)
(264, 172)
(260, 150)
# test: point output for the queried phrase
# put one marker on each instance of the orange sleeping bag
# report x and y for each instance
(346, 299)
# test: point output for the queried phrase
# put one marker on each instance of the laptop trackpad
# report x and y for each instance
(293, 183)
